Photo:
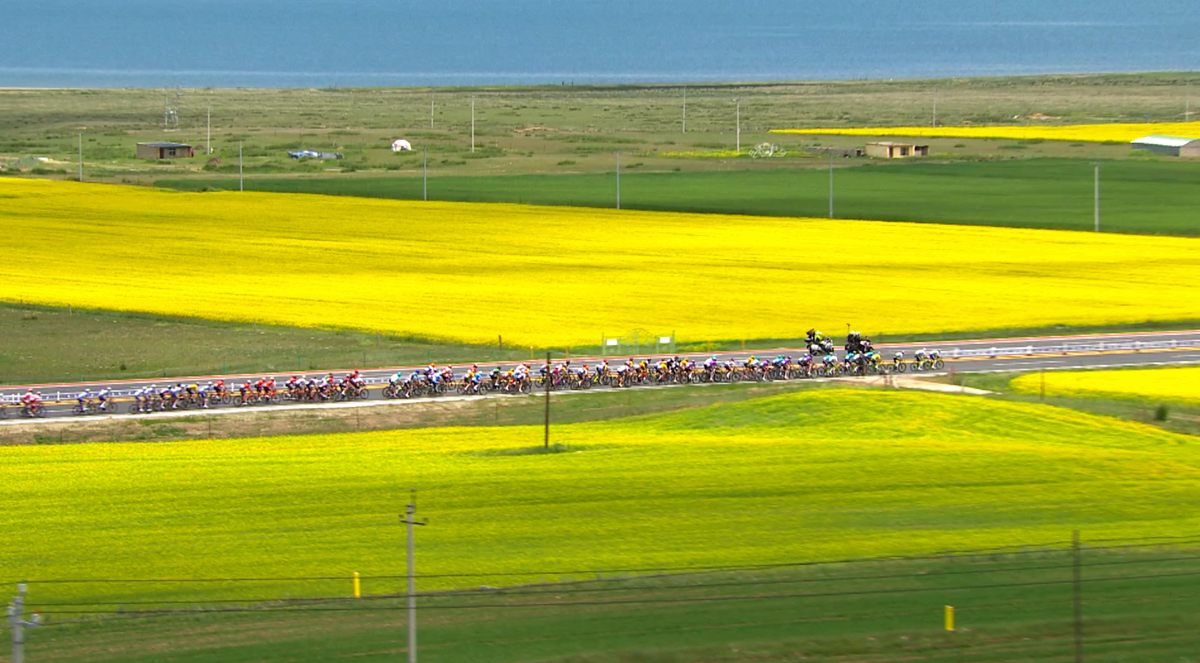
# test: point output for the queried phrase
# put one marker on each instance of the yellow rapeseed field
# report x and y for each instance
(554, 276)
(805, 476)
(1088, 133)
(1169, 384)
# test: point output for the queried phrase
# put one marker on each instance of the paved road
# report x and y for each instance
(991, 355)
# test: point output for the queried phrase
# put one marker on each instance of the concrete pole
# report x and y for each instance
(546, 441)
(685, 110)
(831, 183)
(16, 618)
(618, 180)
(739, 125)
(411, 513)
(1077, 595)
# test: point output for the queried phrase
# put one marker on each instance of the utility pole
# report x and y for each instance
(81, 157)
(19, 624)
(425, 173)
(618, 180)
(1077, 595)
(410, 519)
(831, 183)
(685, 109)
(472, 125)
(546, 442)
(1097, 202)
(241, 181)
(739, 125)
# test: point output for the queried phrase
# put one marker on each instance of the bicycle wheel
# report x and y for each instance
(939, 365)
(901, 367)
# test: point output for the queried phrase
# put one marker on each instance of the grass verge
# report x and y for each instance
(1139, 602)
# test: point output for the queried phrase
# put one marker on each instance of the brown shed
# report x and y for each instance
(163, 150)
(888, 150)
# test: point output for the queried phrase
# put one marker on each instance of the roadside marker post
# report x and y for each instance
(950, 618)
(357, 586)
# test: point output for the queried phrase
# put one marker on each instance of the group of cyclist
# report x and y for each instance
(820, 359)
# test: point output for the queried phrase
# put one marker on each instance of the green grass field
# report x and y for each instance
(549, 129)
(48, 344)
(45, 344)
(1145, 197)
(1139, 602)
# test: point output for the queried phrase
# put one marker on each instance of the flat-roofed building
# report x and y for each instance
(890, 150)
(163, 150)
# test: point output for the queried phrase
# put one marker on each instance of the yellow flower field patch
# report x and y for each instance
(1085, 133)
(1167, 384)
(552, 276)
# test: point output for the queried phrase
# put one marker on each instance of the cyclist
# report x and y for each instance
(82, 398)
(164, 395)
(31, 402)
(244, 391)
(205, 393)
(103, 398)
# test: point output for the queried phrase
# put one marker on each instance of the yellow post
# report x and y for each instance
(357, 587)
(949, 618)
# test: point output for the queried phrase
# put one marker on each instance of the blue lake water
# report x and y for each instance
(321, 43)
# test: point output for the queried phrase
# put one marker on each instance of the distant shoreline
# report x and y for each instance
(641, 86)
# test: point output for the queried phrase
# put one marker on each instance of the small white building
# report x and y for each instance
(890, 150)
(401, 145)
(1175, 146)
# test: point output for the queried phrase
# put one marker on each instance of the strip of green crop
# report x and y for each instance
(1141, 197)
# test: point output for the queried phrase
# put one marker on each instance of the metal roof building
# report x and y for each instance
(1175, 146)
